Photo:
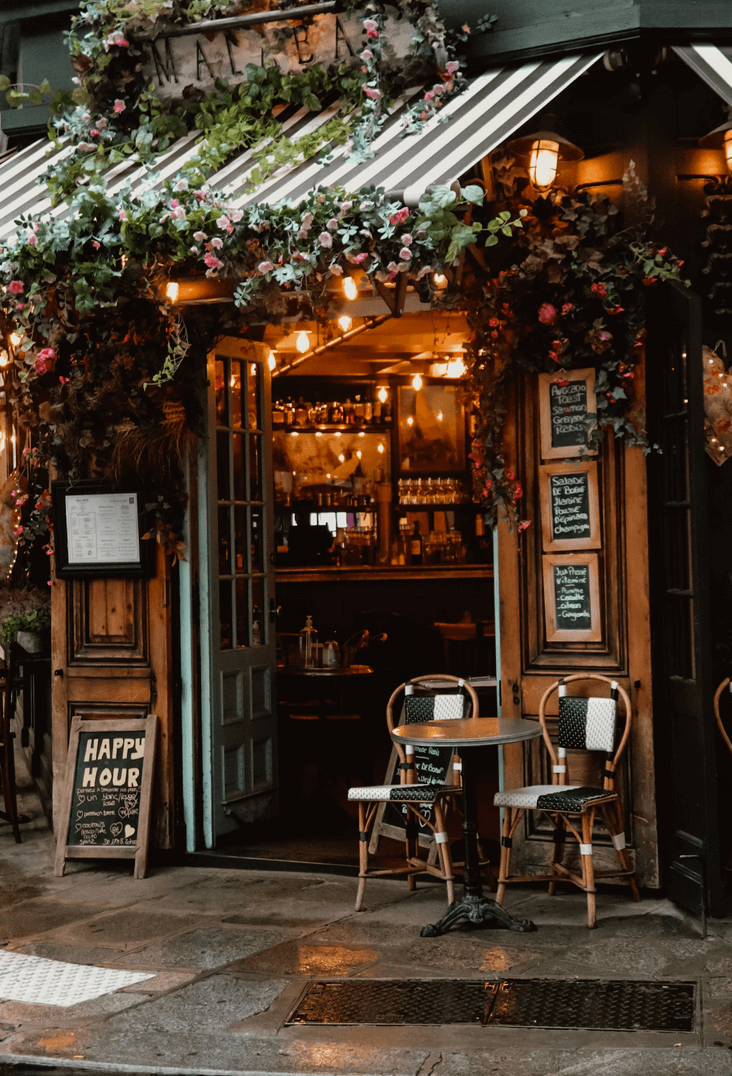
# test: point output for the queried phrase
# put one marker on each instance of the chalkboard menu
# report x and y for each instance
(106, 796)
(568, 410)
(571, 597)
(570, 514)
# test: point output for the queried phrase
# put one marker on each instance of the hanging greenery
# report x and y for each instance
(567, 292)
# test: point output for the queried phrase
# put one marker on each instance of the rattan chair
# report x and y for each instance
(717, 697)
(8, 686)
(585, 724)
(419, 795)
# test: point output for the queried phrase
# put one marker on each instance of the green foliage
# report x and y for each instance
(36, 621)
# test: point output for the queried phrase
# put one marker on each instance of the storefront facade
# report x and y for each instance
(196, 641)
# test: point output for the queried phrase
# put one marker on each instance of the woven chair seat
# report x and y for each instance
(401, 793)
(552, 797)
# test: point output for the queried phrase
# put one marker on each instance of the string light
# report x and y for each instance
(455, 368)
(417, 382)
(15, 338)
(303, 341)
(350, 288)
(171, 291)
(439, 280)
(383, 395)
(345, 322)
(410, 421)
(380, 448)
(272, 360)
(358, 453)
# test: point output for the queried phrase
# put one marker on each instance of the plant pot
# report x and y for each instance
(31, 643)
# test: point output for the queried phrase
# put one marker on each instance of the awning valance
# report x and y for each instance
(492, 107)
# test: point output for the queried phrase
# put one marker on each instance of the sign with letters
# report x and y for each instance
(98, 531)
(572, 597)
(181, 59)
(106, 794)
(568, 411)
(570, 507)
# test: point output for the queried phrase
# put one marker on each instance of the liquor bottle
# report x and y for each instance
(386, 411)
(415, 545)
(308, 639)
(359, 411)
(480, 550)
(376, 408)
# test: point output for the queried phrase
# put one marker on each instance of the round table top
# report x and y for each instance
(327, 670)
(469, 731)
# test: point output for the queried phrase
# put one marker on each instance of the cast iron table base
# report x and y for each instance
(480, 910)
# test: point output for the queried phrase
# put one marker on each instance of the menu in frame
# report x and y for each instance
(572, 597)
(568, 411)
(570, 507)
(102, 528)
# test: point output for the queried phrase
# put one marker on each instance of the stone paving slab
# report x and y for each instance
(127, 929)
(207, 948)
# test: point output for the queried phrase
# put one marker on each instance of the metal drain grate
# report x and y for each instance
(582, 1004)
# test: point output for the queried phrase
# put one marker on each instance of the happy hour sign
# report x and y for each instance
(106, 808)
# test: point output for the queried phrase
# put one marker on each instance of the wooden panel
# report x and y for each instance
(109, 620)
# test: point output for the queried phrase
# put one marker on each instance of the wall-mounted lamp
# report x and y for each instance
(720, 138)
(544, 149)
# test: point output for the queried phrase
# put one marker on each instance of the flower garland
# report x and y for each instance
(567, 293)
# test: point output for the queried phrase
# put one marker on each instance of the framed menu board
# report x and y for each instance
(567, 413)
(98, 531)
(570, 512)
(572, 597)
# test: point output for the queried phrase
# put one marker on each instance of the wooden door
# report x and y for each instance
(239, 741)
(111, 647)
(533, 656)
(687, 734)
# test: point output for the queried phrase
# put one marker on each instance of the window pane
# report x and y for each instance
(257, 516)
(225, 614)
(255, 466)
(235, 384)
(224, 541)
(223, 489)
(240, 490)
(259, 626)
(221, 393)
(241, 538)
(242, 612)
(255, 373)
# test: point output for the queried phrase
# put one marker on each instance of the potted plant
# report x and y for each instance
(26, 618)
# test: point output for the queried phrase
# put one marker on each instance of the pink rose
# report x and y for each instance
(405, 254)
(119, 106)
(325, 239)
(547, 314)
(399, 217)
(265, 267)
(213, 262)
(16, 287)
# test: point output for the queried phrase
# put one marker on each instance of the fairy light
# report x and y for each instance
(439, 280)
(361, 433)
(345, 322)
(380, 448)
(342, 458)
(171, 291)
(417, 382)
(410, 421)
(350, 288)
(383, 395)
(4, 358)
(303, 341)
(358, 453)
(15, 339)
(440, 416)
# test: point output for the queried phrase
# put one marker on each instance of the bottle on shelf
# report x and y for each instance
(415, 545)
(376, 408)
(308, 640)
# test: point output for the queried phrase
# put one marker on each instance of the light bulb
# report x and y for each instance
(15, 339)
(440, 416)
(358, 453)
(417, 382)
(4, 358)
(253, 369)
(342, 458)
(303, 342)
(350, 288)
(455, 368)
(439, 280)
(543, 163)
(171, 291)
(410, 421)
(272, 360)
(383, 395)
(345, 322)
(380, 448)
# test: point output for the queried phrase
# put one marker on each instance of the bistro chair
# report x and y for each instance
(420, 795)
(726, 683)
(586, 725)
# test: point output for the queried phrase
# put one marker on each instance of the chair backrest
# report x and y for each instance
(586, 723)
(726, 683)
(434, 705)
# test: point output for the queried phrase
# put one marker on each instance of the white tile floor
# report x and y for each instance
(38, 981)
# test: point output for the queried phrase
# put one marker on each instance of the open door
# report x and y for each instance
(681, 617)
(239, 744)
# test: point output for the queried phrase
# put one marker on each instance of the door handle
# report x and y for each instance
(58, 672)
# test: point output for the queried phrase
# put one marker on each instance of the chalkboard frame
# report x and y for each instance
(550, 544)
(548, 451)
(110, 726)
(574, 635)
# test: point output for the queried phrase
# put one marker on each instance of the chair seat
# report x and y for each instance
(403, 793)
(552, 797)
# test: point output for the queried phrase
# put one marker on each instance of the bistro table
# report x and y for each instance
(468, 733)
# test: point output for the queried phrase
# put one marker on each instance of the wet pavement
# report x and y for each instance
(230, 953)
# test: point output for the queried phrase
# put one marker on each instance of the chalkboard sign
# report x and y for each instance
(568, 409)
(571, 597)
(569, 502)
(106, 794)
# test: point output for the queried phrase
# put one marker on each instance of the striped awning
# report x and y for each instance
(490, 109)
(712, 63)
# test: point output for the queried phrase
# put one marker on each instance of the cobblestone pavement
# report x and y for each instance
(229, 953)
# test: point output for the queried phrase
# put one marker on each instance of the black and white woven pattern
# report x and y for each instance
(421, 708)
(586, 723)
(551, 797)
(400, 793)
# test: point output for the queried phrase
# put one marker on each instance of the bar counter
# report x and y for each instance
(363, 573)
